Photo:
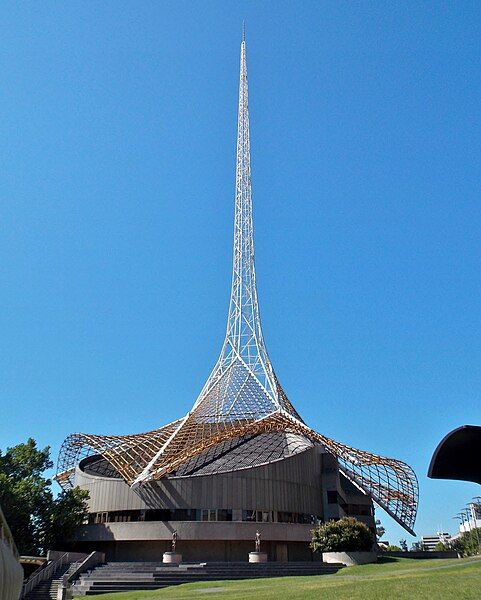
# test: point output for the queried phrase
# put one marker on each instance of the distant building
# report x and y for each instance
(428, 542)
(474, 520)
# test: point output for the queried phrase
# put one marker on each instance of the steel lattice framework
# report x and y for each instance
(242, 396)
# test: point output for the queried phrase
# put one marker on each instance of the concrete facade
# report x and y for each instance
(11, 572)
(303, 487)
(291, 484)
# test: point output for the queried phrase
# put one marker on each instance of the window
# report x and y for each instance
(264, 516)
(285, 517)
(101, 517)
(332, 497)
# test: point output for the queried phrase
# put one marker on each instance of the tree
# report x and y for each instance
(38, 521)
(440, 547)
(467, 543)
(393, 548)
(346, 535)
(380, 530)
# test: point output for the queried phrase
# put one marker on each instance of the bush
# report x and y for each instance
(440, 547)
(467, 543)
(393, 548)
(346, 535)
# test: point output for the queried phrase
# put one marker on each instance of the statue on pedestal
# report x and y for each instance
(258, 541)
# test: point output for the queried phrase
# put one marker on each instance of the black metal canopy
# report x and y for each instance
(458, 455)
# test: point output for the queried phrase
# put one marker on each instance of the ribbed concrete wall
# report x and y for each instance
(292, 484)
(11, 574)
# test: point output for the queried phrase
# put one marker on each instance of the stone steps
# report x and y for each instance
(47, 590)
(121, 577)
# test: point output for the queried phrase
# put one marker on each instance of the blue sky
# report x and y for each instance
(118, 124)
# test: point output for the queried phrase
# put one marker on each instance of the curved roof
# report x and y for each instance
(458, 455)
(231, 455)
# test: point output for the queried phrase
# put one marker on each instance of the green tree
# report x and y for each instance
(346, 535)
(467, 543)
(38, 520)
(440, 547)
(393, 548)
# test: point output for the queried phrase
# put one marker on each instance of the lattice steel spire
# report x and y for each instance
(244, 349)
(242, 396)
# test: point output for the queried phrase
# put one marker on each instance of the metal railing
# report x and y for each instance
(46, 573)
(90, 562)
(6, 535)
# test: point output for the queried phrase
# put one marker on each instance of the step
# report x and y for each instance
(129, 576)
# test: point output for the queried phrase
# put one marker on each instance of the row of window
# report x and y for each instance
(278, 516)
(203, 514)
(333, 497)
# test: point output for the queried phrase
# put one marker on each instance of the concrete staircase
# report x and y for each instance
(47, 590)
(128, 576)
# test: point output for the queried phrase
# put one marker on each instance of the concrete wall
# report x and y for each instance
(11, 573)
(197, 541)
(194, 530)
(422, 554)
(207, 551)
(292, 484)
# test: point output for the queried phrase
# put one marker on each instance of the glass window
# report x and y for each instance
(332, 497)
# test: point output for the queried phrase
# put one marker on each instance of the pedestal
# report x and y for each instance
(172, 558)
(257, 557)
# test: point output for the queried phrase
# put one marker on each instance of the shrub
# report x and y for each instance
(393, 548)
(440, 547)
(346, 535)
(467, 543)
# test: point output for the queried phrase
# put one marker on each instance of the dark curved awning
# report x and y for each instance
(458, 455)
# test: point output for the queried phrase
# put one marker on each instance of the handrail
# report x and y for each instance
(44, 574)
(92, 560)
(6, 535)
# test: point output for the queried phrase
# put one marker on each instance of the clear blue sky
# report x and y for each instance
(117, 130)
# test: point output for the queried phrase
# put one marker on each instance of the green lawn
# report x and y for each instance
(393, 579)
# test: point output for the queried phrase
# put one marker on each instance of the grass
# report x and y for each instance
(390, 579)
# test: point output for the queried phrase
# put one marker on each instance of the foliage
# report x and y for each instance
(380, 530)
(441, 547)
(468, 543)
(346, 535)
(393, 548)
(38, 521)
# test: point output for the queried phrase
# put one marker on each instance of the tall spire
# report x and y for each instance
(244, 350)
(244, 339)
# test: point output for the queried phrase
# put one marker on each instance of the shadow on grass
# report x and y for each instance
(384, 560)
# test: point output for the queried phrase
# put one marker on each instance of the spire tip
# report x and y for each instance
(243, 31)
